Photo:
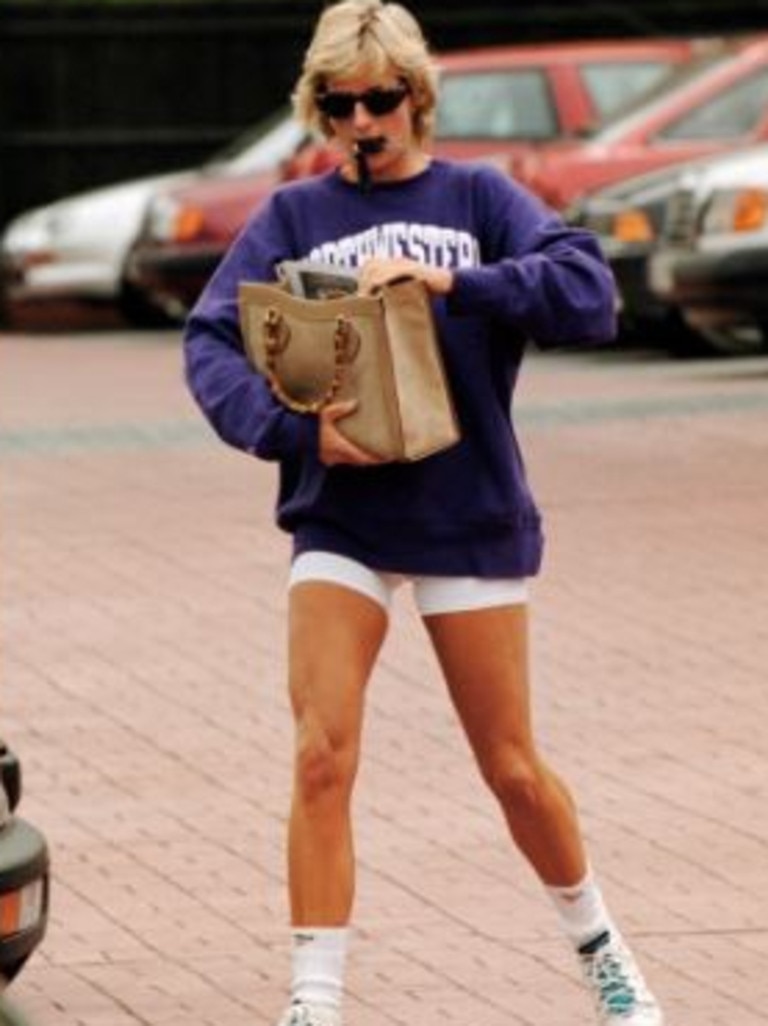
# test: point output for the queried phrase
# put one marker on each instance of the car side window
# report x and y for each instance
(733, 113)
(514, 104)
(612, 86)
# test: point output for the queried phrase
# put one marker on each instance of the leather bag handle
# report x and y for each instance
(277, 337)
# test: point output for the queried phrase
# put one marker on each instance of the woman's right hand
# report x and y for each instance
(334, 448)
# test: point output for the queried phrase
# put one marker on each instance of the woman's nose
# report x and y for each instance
(360, 115)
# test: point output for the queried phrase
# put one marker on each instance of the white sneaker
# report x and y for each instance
(621, 995)
(302, 1014)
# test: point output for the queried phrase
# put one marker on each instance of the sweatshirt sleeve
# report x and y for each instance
(538, 275)
(235, 398)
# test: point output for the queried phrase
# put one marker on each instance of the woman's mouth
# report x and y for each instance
(371, 146)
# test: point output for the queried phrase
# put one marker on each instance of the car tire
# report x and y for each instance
(668, 333)
(679, 339)
(140, 311)
(717, 343)
(687, 344)
(729, 343)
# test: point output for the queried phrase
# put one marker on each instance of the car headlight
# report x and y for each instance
(28, 235)
(168, 220)
(21, 909)
(736, 210)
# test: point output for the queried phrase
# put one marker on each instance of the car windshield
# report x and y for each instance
(733, 113)
(676, 84)
(496, 105)
(261, 148)
(613, 86)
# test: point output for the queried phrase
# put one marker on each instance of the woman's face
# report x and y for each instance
(366, 107)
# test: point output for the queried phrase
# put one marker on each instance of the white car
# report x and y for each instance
(76, 248)
(712, 260)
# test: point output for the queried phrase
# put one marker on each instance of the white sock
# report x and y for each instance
(319, 954)
(582, 911)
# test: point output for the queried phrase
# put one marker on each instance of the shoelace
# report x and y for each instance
(614, 986)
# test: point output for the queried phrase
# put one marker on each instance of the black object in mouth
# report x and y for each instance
(363, 149)
(370, 146)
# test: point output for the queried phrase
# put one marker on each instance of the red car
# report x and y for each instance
(187, 229)
(719, 106)
(498, 104)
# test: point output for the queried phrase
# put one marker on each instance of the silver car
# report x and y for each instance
(76, 248)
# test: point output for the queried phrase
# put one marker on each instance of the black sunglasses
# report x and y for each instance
(376, 101)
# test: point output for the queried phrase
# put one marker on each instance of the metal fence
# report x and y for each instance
(93, 92)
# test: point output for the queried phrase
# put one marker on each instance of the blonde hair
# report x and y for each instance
(371, 36)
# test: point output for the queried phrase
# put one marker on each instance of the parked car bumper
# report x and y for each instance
(28, 278)
(722, 294)
(630, 269)
(735, 279)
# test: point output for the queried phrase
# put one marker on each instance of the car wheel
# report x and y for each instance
(688, 344)
(746, 341)
(743, 340)
(728, 335)
(670, 334)
(140, 311)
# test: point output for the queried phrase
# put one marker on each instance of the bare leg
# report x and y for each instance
(484, 656)
(334, 637)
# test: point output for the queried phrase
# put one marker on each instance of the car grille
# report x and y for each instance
(598, 221)
(680, 218)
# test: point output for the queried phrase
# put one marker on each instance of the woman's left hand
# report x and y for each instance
(380, 270)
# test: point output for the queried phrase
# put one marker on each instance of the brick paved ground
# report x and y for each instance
(142, 683)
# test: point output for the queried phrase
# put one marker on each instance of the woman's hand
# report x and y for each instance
(334, 448)
(380, 270)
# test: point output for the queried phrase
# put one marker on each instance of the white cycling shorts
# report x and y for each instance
(432, 594)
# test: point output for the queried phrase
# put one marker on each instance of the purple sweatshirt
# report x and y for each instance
(519, 274)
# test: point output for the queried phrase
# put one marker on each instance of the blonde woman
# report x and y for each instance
(460, 527)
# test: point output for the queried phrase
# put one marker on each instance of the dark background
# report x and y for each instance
(92, 93)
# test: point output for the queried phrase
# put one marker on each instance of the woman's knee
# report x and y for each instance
(325, 767)
(517, 779)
